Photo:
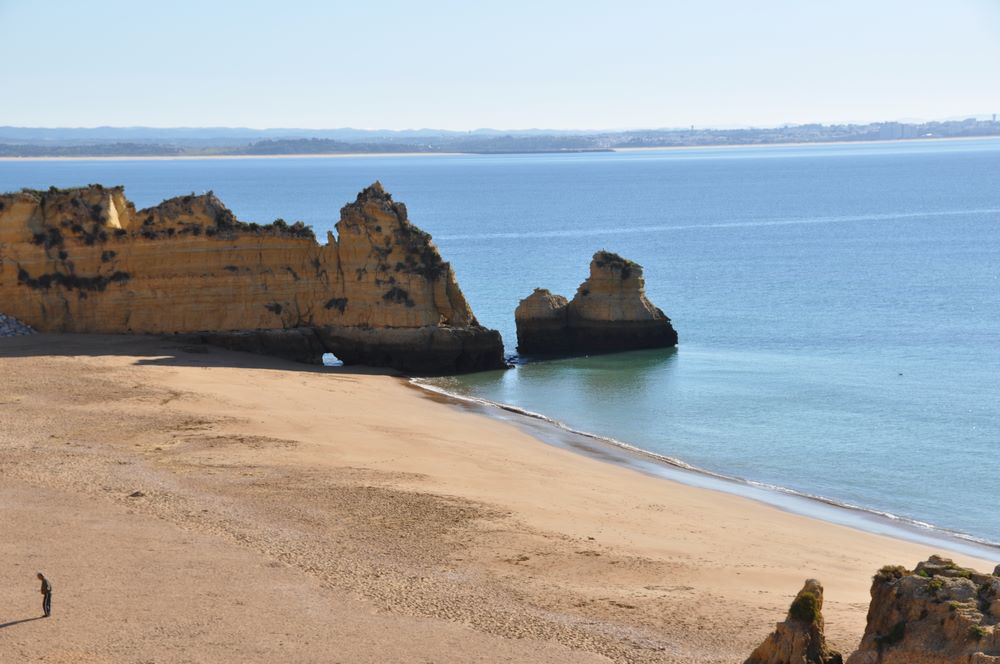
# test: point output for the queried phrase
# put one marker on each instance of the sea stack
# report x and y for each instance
(609, 313)
(939, 613)
(85, 260)
(800, 638)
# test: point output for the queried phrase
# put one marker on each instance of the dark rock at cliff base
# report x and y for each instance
(799, 639)
(431, 350)
(940, 613)
(609, 313)
(300, 344)
(427, 350)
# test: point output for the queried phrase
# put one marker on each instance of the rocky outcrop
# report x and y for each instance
(609, 313)
(542, 324)
(85, 260)
(422, 350)
(799, 639)
(939, 613)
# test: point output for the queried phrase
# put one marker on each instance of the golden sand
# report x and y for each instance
(223, 507)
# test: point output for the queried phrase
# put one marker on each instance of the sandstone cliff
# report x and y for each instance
(85, 260)
(610, 312)
(799, 639)
(937, 614)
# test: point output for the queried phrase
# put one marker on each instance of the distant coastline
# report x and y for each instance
(352, 155)
(199, 157)
(177, 142)
(799, 144)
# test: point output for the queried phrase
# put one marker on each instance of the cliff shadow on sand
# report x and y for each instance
(168, 351)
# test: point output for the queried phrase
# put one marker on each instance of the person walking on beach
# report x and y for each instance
(46, 595)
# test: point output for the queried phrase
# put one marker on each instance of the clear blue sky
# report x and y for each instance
(509, 64)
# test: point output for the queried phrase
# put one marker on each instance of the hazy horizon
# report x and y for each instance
(905, 120)
(456, 67)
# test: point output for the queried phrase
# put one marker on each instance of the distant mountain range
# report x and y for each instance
(206, 141)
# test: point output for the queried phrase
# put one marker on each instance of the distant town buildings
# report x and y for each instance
(895, 130)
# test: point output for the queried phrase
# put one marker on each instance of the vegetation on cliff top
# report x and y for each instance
(224, 219)
(805, 608)
(421, 256)
(604, 258)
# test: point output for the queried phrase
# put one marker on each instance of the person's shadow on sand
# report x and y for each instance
(18, 622)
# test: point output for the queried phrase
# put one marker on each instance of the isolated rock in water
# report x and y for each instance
(609, 313)
(85, 260)
(799, 639)
(939, 613)
(541, 320)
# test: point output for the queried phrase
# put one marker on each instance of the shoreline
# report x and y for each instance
(611, 450)
(624, 150)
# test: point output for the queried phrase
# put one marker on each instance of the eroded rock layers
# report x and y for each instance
(85, 260)
(939, 613)
(610, 312)
(800, 638)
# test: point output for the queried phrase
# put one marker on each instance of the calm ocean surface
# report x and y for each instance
(838, 306)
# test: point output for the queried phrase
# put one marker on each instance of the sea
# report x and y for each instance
(838, 305)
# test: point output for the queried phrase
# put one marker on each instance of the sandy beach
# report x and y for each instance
(194, 505)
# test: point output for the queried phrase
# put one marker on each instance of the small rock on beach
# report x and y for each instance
(12, 327)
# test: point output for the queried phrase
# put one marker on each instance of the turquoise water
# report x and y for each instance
(838, 306)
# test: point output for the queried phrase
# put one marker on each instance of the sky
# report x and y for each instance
(511, 64)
